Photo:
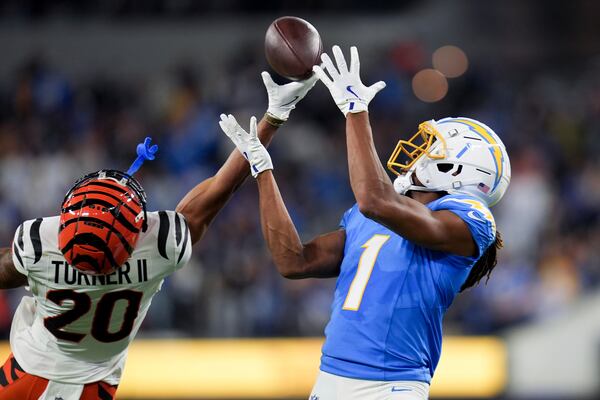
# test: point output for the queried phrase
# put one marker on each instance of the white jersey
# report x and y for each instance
(76, 328)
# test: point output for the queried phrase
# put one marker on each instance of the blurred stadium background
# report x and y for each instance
(82, 82)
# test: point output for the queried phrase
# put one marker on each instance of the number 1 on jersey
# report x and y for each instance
(363, 271)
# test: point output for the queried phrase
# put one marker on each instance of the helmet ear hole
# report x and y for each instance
(445, 167)
(449, 167)
(458, 170)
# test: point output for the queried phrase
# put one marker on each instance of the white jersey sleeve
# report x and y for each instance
(76, 328)
(173, 240)
(26, 247)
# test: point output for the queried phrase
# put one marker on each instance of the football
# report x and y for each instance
(292, 47)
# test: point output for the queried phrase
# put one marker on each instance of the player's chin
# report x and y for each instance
(410, 193)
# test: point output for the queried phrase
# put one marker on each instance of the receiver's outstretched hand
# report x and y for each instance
(347, 90)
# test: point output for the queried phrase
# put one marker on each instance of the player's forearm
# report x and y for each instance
(9, 277)
(374, 191)
(201, 204)
(278, 229)
(368, 179)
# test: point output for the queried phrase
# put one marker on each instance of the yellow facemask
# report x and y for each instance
(407, 152)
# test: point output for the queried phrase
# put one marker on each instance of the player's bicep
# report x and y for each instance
(323, 256)
(451, 234)
(435, 230)
(9, 276)
(469, 226)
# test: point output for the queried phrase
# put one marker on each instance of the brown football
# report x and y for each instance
(292, 47)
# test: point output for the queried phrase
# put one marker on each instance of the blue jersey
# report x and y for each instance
(391, 296)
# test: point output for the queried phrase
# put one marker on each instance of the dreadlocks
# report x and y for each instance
(484, 266)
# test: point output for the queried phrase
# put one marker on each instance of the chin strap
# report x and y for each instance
(403, 183)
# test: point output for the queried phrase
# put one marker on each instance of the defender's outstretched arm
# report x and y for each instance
(9, 276)
(373, 190)
(203, 202)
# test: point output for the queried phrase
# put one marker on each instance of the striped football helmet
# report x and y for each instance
(100, 221)
(455, 155)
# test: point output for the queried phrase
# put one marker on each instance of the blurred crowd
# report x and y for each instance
(122, 9)
(54, 128)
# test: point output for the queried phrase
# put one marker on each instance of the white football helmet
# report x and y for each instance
(455, 155)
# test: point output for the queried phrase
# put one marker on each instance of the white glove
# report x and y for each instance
(283, 98)
(247, 144)
(346, 88)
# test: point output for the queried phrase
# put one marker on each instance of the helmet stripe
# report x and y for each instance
(105, 224)
(89, 239)
(86, 193)
(495, 150)
(116, 187)
(119, 217)
(109, 186)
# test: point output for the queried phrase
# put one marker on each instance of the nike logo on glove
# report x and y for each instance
(291, 102)
(349, 88)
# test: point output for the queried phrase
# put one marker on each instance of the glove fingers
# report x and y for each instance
(223, 121)
(236, 129)
(376, 87)
(320, 74)
(224, 124)
(253, 128)
(354, 60)
(267, 79)
(231, 119)
(309, 82)
(340, 60)
(227, 131)
(224, 128)
(233, 122)
(328, 65)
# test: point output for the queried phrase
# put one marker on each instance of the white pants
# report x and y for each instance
(333, 387)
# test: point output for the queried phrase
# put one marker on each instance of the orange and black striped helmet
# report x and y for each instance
(100, 221)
